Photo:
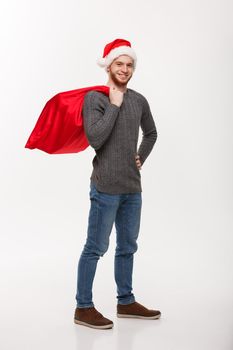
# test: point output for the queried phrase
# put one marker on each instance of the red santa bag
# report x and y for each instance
(59, 128)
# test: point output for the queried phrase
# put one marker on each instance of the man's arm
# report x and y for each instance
(149, 133)
(99, 119)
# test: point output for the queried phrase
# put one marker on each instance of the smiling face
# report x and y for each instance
(121, 70)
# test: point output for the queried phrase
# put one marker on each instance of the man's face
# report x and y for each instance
(121, 70)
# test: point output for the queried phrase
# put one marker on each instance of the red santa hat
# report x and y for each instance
(115, 49)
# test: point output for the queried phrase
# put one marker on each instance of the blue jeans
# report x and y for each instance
(125, 211)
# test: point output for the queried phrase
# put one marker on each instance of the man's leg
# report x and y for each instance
(101, 218)
(127, 224)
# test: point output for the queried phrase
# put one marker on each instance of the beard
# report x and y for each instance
(117, 81)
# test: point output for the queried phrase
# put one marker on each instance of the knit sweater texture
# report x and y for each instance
(113, 133)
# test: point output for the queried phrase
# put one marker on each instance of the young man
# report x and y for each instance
(112, 127)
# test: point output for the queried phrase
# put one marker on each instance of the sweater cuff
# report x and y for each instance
(112, 105)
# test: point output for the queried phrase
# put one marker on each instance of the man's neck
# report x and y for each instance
(118, 87)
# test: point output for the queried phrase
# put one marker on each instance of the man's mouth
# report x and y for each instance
(122, 75)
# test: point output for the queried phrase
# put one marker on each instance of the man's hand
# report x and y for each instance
(138, 163)
(115, 96)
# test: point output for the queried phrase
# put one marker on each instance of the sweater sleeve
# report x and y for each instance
(99, 119)
(149, 133)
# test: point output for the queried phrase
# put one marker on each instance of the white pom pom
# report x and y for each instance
(101, 62)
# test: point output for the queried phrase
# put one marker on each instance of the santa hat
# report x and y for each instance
(115, 49)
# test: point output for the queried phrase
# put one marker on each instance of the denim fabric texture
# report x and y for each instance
(106, 209)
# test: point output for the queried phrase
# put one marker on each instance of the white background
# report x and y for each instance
(183, 266)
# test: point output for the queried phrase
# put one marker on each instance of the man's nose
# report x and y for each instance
(125, 68)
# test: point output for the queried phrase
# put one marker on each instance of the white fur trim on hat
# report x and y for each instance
(116, 52)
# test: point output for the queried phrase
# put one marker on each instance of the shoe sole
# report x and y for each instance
(138, 316)
(108, 326)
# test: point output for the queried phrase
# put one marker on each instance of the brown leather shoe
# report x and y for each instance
(136, 310)
(90, 317)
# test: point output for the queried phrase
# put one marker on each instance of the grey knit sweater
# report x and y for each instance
(113, 132)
